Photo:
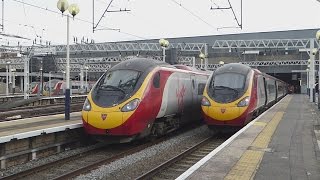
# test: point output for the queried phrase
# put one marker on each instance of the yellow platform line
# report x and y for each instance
(250, 160)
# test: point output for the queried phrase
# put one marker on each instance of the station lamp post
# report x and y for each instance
(73, 10)
(13, 80)
(318, 39)
(312, 73)
(202, 57)
(7, 77)
(86, 68)
(49, 85)
(63, 75)
(308, 78)
(164, 44)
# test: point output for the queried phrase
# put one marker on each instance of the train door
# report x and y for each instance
(276, 85)
(156, 92)
(266, 91)
(261, 92)
(194, 89)
(196, 107)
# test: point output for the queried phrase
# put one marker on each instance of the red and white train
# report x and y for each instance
(235, 93)
(142, 98)
(57, 87)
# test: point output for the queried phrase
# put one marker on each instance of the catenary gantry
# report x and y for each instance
(99, 64)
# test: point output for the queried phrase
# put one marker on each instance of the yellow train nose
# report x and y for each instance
(105, 120)
(224, 113)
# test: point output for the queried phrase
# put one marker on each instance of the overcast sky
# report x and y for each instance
(150, 19)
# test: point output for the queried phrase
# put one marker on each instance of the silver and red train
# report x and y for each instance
(235, 93)
(141, 98)
(58, 87)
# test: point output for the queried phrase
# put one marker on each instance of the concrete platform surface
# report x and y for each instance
(282, 143)
(29, 127)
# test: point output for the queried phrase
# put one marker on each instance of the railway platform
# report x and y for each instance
(31, 138)
(282, 143)
(29, 127)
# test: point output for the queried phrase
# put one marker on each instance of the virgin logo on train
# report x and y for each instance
(223, 110)
(104, 116)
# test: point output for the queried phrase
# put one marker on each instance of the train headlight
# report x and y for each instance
(130, 106)
(86, 105)
(205, 101)
(244, 102)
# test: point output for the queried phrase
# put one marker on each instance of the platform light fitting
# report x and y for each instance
(62, 5)
(314, 51)
(202, 56)
(318, 35)
(74, 9)
(164, 42)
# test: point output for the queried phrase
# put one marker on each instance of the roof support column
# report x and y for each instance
(312, 71)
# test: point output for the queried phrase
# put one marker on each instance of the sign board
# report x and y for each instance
(250, 52)
(299, 71)
(41, 51)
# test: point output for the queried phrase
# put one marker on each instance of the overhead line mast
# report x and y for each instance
(106, 10)
(233, 12)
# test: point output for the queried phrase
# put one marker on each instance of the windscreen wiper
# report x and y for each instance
(225, 87)
(112, 87)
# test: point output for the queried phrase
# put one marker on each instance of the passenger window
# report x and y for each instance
(156, 80)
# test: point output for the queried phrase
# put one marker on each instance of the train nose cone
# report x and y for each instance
(105, 120)
(224, 113)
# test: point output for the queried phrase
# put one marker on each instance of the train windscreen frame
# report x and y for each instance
(115, 87)
(120, 80)
(227, 87)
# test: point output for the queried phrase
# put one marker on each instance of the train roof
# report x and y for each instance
(233, 67)
(139, 64)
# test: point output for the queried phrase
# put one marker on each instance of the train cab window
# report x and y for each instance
(156, 80)
(119, 80)
(230, 80)
(227, 87)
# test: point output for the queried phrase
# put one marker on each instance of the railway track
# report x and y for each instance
(78, 164)
(27, 112)
(174, 167)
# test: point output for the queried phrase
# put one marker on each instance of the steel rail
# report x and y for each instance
(95, 165)
(189, 152)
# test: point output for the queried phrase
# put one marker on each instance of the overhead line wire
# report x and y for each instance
(86, 21)
(198, 17)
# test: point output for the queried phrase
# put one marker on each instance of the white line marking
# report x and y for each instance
(219, 148)
(53, 117)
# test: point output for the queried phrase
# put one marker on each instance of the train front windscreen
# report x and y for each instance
(115, 87)
(227, 87)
